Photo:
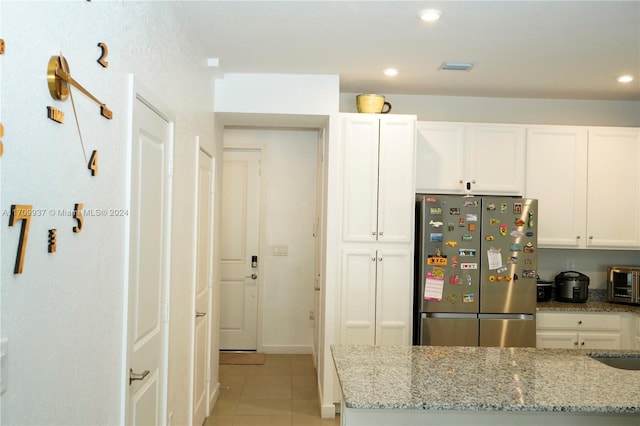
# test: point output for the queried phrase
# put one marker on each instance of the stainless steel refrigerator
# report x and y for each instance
(475, 271)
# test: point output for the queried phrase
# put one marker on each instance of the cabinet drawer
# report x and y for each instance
(591, 321)
(601, 322)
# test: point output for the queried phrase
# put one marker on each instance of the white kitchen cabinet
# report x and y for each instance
(376, 165)
(613, 188)
(378, 156)
(588, 185)
(573, 340)
(590, 330)
(557, 177)
(460, 158)
(376, 292)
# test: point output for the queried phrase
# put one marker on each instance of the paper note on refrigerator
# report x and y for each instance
(433, 287)
(495, 258)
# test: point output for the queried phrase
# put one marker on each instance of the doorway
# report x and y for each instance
(287, 232)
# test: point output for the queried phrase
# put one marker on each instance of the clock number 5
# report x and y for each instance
(77, 215)
(21, 212)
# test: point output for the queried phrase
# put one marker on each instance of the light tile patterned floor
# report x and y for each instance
(282, 392)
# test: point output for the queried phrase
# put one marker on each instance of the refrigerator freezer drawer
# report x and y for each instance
(449, 330)
(508, 331)
(509, 297)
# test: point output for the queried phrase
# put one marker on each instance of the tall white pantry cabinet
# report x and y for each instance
(377, 162)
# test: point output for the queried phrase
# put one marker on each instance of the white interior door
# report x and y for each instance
(204, 282)
(149, 260)
(240, 230)
(318, 259)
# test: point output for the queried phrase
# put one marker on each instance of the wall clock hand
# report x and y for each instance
(56, 74)
(63, 63)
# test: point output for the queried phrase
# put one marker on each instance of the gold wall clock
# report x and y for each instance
(60, 81)
(61, 85)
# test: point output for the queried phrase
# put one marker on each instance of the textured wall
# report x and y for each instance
(64, 314)
(510, 110)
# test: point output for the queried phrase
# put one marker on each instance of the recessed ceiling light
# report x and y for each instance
(456, 66)
(390, 72)
(429, 15)
(625, 79)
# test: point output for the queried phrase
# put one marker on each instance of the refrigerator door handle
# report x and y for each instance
(449, 315)
(507, 316)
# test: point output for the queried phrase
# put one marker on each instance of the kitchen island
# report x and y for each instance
(431, 385)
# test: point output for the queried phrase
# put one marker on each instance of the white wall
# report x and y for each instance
(288, 210)
(64, 314)
(510, 110)
(592, 263)
(278, 93)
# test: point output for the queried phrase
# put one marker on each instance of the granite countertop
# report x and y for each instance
(588, 306)
(489, 379)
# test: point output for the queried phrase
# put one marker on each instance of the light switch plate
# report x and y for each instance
(281, 251)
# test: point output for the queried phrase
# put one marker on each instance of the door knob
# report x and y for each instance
(252, 276)
(200, 314)
(137, 376)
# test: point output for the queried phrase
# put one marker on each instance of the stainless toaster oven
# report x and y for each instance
(623, 284)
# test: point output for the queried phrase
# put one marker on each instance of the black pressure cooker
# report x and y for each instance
(571, 286)
(543, 290)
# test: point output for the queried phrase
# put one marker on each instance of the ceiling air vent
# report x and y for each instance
(456, 66)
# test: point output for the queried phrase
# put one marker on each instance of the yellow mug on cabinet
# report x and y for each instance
(372, 104)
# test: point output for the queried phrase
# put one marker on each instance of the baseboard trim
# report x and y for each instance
(213, 398)
(286, 349)
(328, 411)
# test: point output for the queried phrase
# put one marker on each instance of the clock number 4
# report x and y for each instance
(93, 163)
(23, 213)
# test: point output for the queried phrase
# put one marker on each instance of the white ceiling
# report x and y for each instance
(525, 49)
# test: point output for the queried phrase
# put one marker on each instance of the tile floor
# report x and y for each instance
(282, 392)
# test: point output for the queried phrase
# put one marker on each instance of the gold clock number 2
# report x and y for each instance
(24, 213)
(102, 60)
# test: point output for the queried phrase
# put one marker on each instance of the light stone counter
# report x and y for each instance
(588, 306)
(398, 385)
